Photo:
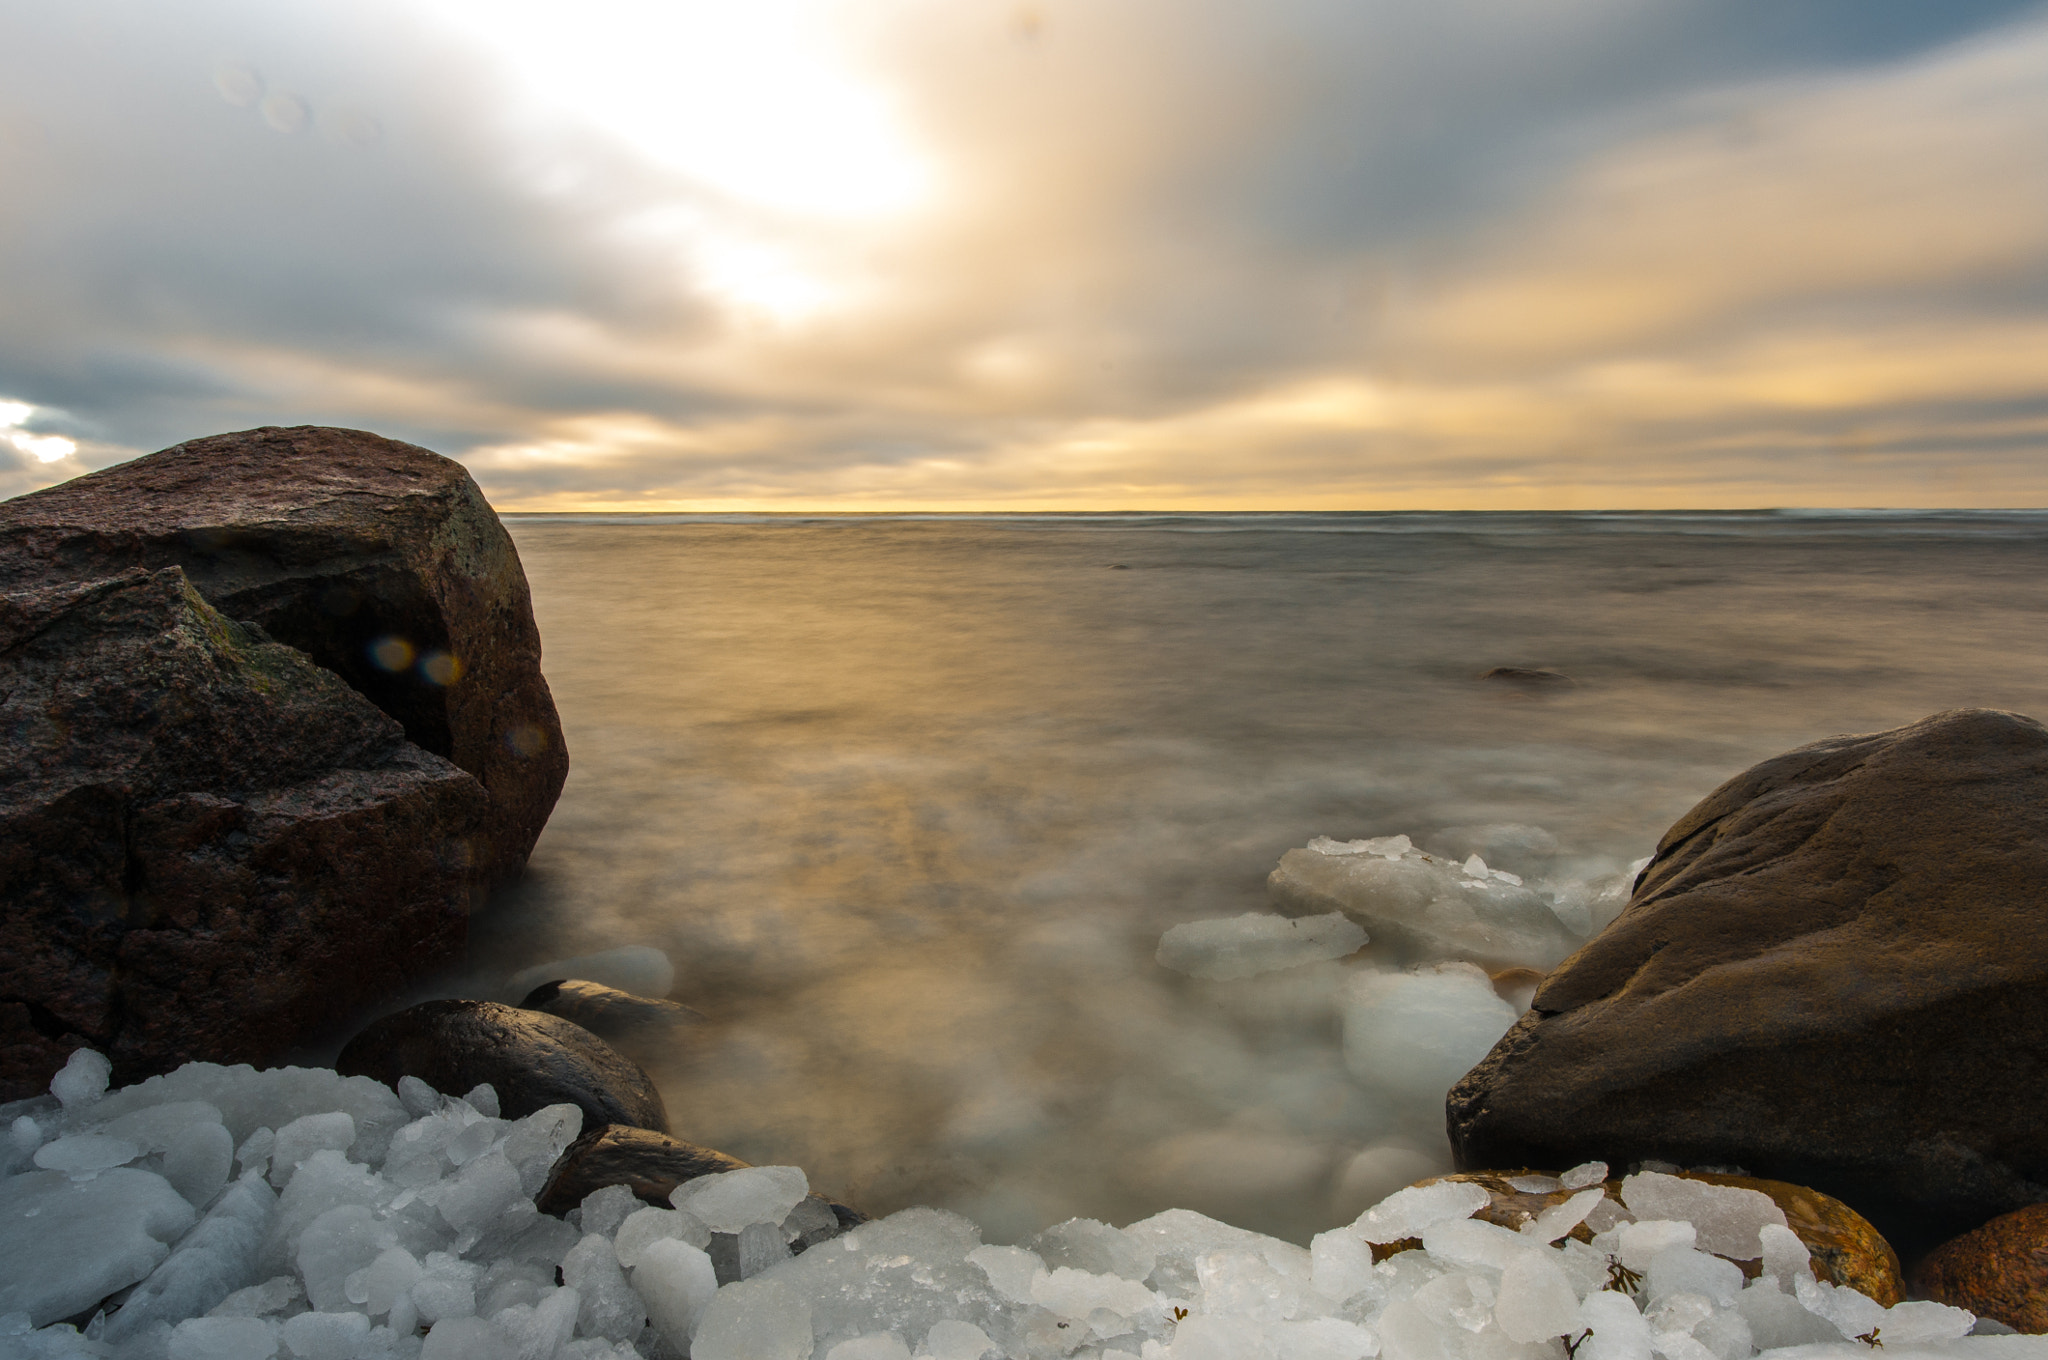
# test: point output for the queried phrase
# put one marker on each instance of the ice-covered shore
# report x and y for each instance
(229, 1214)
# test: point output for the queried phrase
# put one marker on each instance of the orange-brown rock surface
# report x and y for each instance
(1998, 1271)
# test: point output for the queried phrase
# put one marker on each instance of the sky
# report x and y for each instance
(1044, 254)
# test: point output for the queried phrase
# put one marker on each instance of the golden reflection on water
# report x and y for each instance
(910, 802)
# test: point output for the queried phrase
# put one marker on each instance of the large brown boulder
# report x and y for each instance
(1834, 973)
(209, 846)
(378, 559)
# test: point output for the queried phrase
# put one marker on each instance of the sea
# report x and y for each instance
(909, 800)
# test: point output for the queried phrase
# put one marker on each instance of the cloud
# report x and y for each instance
(1163, 252)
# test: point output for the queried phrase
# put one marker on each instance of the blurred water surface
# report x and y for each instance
(909, 800)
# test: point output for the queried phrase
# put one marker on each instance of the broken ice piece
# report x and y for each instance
(1256, 942)
(1409, 1213)
(1583, 1175)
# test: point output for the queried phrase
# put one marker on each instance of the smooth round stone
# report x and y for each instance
(1999, 1271)
(531, 1059)
(614, 1016)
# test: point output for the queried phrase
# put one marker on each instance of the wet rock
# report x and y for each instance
(1999, 1271)
(209, 846)
(612, 1015)
(1530, 678)
(653, 1164)
(1825, 975)
(1846, 1249)
(531, 1059)
(378, 559)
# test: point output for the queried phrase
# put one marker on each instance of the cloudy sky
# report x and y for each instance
(1063, 254)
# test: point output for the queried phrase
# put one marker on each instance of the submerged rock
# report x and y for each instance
(1999, 1271)
(1829, 974)
(209, 846)
(378, 559)
(612, 1015)
(531, 1059)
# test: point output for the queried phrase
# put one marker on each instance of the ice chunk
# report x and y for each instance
(1918, 1322)
(1325, 1338)
(1776, 1319)
(198, 1159)
(1618, 1330)
(479, 1193)
(636, 968)
(604, 1210)
(1536, 1299)
(378, 1286)
(1086, 1244)
(535, 1143)
(205, 1265)
(483, 1098)
(334, 1246)
(447, 1289)
(1411, 1212)
(728, 1201)
(609, 1307)
(1728, 1217)
(325, 1336)
(1560, 1219)
(951, 1340)
(1245, 1284)
(306, 1135)
(1076, 1293)
(1638, 1243)
(539, 1329)
(1418, 907)
(755, 1320)
(1786, 1258)
(1475, 1242)
(82, 1241)
(1010, 1269)
(1416, 1033)
(873, 1346)
(1461, 1300)
(1583, 1175)
(249, 1100)
(1340, 1264)
(274, 1295)
(676, 1284)
(1681, 1270)
(1256, 942)
(467, 1338)
(82, 1080)
(760, 1246)
(86, 1154)
(224, 1338)
(1386, 847)
(644, 1227)
(156, 1126)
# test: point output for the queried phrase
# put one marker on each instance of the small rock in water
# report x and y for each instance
(638, 969)
(612, 1015)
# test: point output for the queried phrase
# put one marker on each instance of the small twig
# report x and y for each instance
(1571, 1347)
(1620, 1277)
(1869, 1339)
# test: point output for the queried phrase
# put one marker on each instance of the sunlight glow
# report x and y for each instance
(747, 98)
(46, 448)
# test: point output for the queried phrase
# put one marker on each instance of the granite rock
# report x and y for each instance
(378, 559)
(531, 1059)
(209, 846)
(1827, 974)
(1998, 1271)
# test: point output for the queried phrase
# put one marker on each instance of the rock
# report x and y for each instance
(612, 1015)
(1824, 975)
(531, 1059)
(378, 559)
(209, 846)
(652, 1165)
(1999, 1271)
(1530, 678)
(1846, 1249)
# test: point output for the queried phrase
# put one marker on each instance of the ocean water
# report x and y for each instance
(910, 800)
